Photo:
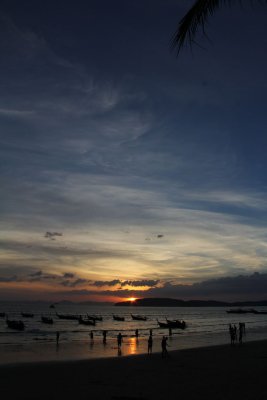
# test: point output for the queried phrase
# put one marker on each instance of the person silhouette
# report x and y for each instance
(119, 340)
(232, 332)
(105, 337)
(136, 333)
(149, 344)
(164, 345)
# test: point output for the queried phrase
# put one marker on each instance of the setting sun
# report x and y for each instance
(132, 299)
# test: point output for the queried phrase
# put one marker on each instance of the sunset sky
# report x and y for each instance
(127, 171)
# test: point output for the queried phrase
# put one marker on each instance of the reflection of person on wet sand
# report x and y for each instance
(242, 331)
(57, 338)
(119, 340)
(149, 344)
(104, 337)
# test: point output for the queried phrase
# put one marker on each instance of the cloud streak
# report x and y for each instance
(237, 288)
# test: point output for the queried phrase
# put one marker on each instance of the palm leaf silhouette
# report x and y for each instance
(196, 17)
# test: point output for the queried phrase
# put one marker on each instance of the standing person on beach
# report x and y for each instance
(232, 332)
(92, 336)
(57, 337)
(119, 340)
(105, 337)
(164, 346)
(149, 344)
(136, 333)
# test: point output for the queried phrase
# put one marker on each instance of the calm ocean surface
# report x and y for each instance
(205, 326)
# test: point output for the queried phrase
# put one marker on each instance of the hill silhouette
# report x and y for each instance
(167, 302)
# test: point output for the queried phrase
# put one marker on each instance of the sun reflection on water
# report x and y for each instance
(133, 344)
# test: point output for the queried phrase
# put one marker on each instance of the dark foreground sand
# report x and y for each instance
(221, 372)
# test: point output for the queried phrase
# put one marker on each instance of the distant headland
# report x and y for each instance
(166, 302)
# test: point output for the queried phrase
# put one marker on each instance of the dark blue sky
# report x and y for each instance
(151, 166)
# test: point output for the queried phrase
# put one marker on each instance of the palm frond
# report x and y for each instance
(196, 17)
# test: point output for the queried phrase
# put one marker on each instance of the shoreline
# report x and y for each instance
(66, 351)
(214, 372)
(171, 352)
(45, 351)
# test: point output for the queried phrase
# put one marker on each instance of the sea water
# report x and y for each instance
(205, 326)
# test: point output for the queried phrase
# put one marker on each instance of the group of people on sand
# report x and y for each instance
(149, 342)
(104, 333)
(234, 335)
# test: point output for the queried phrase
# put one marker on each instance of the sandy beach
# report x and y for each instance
(217, 372)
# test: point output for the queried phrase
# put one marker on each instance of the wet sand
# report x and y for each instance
(217, 372)
(80, 350)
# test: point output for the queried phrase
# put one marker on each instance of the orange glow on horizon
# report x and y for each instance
(132, 299)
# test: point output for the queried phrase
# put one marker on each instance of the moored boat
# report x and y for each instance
(176, 324)
(95, 317)
(13, 324)
(163, 324)
(83, 321)
(139, 317)
(27, 315)
(259, 312)
(118, 318)
(238, 311)
(47, 320)
(68, 316)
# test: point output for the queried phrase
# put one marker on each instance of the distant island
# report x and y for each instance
(166, 302)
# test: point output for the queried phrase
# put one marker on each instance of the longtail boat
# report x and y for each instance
(27, 315)
(118, 318)
(68, 316)
(139, 317)
(83, 321)
(18, 325)
(95, 317)
(47, 320)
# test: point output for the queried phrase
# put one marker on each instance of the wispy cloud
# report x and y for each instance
(195, 241)
(237, 288)
(52, 235)
(16, 113)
